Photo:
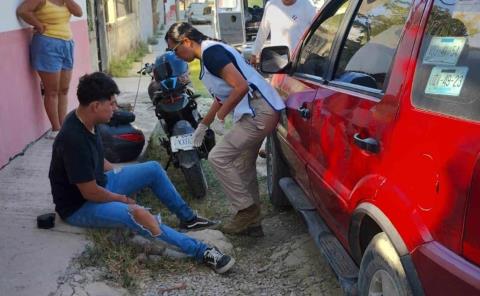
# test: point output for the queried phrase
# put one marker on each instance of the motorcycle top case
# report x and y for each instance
(121, 141)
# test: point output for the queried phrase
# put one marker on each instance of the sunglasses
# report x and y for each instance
(174, 49)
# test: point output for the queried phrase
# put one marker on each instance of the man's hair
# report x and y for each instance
(96, 86)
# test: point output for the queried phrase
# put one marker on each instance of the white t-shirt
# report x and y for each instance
(285, 23)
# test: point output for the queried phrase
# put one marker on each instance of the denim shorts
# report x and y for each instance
(51, 55)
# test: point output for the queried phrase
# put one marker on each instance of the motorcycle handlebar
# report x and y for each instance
(147, 69)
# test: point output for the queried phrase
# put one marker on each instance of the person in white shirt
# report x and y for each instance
(286, 21)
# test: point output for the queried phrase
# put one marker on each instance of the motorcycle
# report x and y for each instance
(174, 100)
(121, 141)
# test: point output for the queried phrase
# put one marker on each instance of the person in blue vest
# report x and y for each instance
(239, 89)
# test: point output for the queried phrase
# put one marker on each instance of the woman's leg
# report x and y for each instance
(65, 77)
(246, 165)
(51, 84)
(243, 139)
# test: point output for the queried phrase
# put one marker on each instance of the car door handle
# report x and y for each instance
(304, 112)
(367, 144)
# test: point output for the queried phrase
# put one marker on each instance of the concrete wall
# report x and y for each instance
(22, 116)
(146, 19)
(123, 33)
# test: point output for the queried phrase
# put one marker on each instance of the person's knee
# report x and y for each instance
(64, 91)
(145, 219)
(51, 93)
(155, 168)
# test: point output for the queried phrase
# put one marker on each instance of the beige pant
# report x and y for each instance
(234, 159)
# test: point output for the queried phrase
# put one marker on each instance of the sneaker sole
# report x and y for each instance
(214, 227)
(226, 267)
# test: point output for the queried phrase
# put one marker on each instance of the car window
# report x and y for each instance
(372, 39)
(197, 8)
(447, 76)
(314, 54)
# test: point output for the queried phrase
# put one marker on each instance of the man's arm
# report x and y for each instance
(107, 165)
(92, 192)
(262, 35)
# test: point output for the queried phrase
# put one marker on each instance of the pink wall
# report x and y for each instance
(22, 116)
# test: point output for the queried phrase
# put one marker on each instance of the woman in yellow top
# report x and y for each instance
(51, 51)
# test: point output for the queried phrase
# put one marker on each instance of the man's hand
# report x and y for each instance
(107, 165)
(253, 60)
(199, 134)
(125, 199)
(93, 192)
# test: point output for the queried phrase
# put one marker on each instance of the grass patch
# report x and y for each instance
(197, 84)
(112, 251)
(121, 67)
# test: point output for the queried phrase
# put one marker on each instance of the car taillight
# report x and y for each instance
(130, 137)
(471, 235)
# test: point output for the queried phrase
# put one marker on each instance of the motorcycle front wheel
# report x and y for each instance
(196, 180)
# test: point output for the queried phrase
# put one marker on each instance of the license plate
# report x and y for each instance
(444, 50)
(447, 81)
(182, 142)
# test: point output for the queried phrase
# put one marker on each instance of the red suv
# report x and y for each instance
(379, 145)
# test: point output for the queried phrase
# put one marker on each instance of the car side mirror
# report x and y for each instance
(275, 59)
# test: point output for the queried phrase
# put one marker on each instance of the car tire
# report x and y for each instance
(381, 271)
(276, 169)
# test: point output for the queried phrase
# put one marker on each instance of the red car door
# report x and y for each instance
(353, 112)
(294, 125)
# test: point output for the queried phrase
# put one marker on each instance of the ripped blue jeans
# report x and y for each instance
(128, 180)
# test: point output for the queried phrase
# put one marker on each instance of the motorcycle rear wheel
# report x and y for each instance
(196, 180)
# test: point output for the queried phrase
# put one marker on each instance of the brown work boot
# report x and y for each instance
(243, 220)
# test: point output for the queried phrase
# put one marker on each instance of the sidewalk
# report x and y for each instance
(32, 259)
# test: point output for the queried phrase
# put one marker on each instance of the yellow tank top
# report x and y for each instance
(56, 20)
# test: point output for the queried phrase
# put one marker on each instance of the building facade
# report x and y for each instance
(22, 115)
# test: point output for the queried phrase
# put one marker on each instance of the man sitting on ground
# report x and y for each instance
(89, 192)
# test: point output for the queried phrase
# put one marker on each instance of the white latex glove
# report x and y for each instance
(199, 134)
(218, 126)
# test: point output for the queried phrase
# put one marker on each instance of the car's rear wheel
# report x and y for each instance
(381, 271)
(276, 169)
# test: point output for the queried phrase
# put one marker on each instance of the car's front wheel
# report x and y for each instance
(276, 170)
(381, 271)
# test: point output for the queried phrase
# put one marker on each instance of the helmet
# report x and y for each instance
(169, 65)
